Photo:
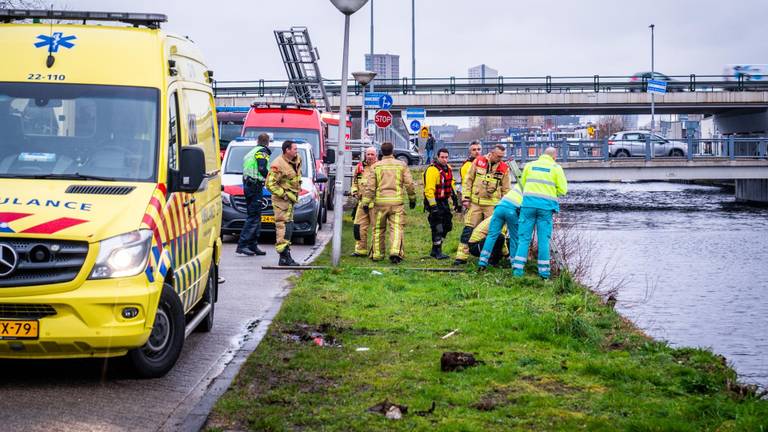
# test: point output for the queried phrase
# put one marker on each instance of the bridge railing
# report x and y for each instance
(731, 148)
(499, 85)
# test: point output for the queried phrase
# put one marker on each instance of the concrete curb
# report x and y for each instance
(216, 383)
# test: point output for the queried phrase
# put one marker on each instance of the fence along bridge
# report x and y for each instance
(743, 160)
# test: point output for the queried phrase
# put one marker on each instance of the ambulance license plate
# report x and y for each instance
(19, 329)
(268, 219)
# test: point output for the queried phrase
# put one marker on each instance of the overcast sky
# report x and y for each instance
(519, 38)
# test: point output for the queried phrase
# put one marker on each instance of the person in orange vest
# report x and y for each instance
(439, 188)
(362, 218)
(487, 180)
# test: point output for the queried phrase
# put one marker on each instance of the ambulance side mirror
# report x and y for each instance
(192, 169)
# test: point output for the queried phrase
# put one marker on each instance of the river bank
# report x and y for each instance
(692, 261)
(553, 357)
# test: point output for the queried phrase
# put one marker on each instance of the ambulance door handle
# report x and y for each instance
(187, 203)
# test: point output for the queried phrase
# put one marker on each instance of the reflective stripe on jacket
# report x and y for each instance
(480, 232)
(359, 179)
(256, 163)
(514, 196)
(389, 182)
(486, 183)
(284, 179)
(543, 181)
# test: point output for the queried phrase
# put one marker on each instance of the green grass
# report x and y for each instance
(554, 358)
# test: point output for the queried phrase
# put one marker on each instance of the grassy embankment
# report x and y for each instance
(554, 358)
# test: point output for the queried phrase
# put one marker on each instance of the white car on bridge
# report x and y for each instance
(632, 143)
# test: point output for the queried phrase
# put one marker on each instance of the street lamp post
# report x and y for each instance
(653, 75)
(347, 7)
(363, 78)
(413, 45)
(371, 42)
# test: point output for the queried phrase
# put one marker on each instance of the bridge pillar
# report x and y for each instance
(752, 191)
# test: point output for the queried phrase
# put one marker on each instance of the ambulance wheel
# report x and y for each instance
(211, 291)
(162, 349)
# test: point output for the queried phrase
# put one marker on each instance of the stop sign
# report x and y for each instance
(383, 118)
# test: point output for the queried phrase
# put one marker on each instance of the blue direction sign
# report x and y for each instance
(415, 126)
(415, 113)
(386, 101)
(378, 100)
(656, 86)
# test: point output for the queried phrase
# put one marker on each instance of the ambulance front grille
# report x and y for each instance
(42, 262)
(100, 190)
(25, 311)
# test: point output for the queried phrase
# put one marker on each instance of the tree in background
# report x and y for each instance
(609, 125)
(21, 4)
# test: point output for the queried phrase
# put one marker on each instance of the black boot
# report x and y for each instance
(437, 252)
(286, 259)
(256, 250)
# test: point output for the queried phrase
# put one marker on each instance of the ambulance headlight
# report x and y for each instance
(226, 199)
(123, 255)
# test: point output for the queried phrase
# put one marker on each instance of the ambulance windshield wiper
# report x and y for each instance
(75, 176)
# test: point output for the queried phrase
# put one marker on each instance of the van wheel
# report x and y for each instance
(211, 292)
(405, 159)
(162, 349)
(622, 153)
(324, 212)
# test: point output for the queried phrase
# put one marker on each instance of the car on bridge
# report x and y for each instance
(632, 143)
(309, 212)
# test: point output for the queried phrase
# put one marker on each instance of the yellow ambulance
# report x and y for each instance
(110, 189)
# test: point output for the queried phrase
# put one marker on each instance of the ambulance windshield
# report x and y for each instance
(78, 131)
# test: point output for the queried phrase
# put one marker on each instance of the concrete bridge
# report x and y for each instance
(743, 161)
(738, 106)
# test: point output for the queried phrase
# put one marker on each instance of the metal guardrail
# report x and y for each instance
(500, 85)
(729, 148)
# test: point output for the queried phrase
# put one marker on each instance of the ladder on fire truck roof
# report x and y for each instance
(300, 60)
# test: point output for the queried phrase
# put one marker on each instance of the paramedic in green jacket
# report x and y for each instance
(542, 183)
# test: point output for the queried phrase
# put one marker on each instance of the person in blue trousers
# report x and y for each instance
(542, 183)
(506, 213)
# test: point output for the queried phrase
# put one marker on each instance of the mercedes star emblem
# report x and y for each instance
(8, 260)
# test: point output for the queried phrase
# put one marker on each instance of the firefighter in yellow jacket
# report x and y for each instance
(385, 191)
(284, 182)
(439, 192)
(362, 218)
(474, 151)
(487, 180)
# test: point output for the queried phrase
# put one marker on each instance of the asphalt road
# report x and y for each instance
(94, 395)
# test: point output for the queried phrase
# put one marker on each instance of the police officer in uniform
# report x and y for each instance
(255, 170)
(284, 182)
(439, 188)
(362, 217)
(385, 190)
(486, 182)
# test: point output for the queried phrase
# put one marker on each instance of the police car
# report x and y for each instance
(308, 212)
